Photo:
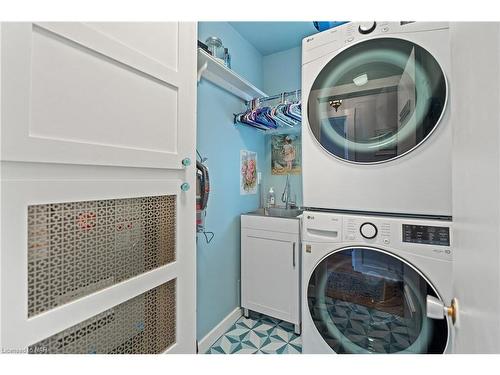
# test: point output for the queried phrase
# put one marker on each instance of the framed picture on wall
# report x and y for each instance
(248, 172)
(285, 154)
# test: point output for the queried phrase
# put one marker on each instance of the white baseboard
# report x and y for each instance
(206, 342)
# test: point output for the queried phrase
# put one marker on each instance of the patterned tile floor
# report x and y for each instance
(259, 334)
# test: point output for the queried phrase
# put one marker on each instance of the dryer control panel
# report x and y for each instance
(334, 39)
(430, 238)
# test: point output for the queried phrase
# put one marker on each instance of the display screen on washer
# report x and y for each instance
(376, 100)
(428, 235)
(364, 300)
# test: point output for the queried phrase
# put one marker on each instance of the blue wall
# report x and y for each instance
(282, 72)
(218, 263)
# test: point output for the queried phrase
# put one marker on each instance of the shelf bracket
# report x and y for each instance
(201, 70)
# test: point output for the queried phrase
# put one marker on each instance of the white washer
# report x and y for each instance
(366, 280)
(376, 132)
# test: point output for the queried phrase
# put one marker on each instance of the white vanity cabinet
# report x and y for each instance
(270, 267)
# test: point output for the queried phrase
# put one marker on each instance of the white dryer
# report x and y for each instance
(367, 280)
(376, 134)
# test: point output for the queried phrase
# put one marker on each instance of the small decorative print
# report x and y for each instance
(248, 172)
(285, 154)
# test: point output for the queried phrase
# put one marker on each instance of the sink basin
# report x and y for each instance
(277, 212)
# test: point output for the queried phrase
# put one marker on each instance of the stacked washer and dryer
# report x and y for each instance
(376, 233)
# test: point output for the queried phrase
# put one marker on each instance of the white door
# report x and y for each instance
(476, 185)
(98, 93)
(98, 237)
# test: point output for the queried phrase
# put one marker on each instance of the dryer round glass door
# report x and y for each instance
(364, 300)
(377, 100)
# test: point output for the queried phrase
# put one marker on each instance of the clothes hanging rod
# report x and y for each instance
(277, 96)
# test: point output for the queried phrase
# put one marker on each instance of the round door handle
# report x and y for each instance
(185, 186)
(436, 309)
(452, 310)
(186, 162)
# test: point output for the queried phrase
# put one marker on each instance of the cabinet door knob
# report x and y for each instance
(186, 162)
(185, 186)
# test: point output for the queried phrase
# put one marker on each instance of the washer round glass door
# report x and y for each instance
(364, 300)
(377, 100)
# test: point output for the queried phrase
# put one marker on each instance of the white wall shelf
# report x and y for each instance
(217, 73)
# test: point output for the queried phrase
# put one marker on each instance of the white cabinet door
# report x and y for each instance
(270, 273)
(118, 94)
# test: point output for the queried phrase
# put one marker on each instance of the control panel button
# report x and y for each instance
(367, 27)
(368, 230)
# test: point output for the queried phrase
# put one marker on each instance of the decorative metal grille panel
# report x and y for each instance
(77, 248)
(145, 324)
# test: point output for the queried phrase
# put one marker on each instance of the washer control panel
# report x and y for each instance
(429, 238)
(371, 231)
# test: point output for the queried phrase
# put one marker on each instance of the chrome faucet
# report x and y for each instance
(285, 197)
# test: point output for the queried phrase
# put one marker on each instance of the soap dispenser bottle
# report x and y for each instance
(271, 199)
